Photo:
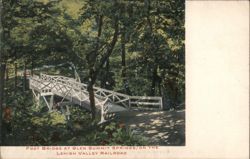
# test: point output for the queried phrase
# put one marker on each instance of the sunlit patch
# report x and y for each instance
(139, 114)
(151, 131)
(133, 125)
(178, 121)
(161, 134)
(141, 124)
(156, 113)
(165, 137)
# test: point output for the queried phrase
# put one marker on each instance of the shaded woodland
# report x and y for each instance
(135, 47)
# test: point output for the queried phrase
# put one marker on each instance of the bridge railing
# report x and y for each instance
(35, 82)
(115, 97)
(66, 86)
(149, 102)
(63, 85)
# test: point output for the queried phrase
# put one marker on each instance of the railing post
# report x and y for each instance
(30, 79)
(51, 102)
(129, 104)
(102, 114)
(38, 100)
(113, 97)
(161, 104)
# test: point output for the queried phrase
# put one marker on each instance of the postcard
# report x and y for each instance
(124, 79)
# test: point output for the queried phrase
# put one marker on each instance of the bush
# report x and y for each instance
(33, 126)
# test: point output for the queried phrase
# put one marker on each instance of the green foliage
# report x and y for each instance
(92, 34)
(110, 134)
(60, 31)
(36, 126)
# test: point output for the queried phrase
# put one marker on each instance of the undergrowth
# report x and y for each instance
(30, 124)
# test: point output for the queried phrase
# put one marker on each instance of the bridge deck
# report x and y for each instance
(75, 92)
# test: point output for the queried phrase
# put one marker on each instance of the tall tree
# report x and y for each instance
(100, 47)
(18, 19)
(5, 48)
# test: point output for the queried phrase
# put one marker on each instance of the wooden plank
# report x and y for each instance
(47, 94)
(144, 103)
(124, 100)
(145, 97)
(70, 89)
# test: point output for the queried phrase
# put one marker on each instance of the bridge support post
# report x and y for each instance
(67, 113)
(161, 104)
(102, 114)
(37, 98)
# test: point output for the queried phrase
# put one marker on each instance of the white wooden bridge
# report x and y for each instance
(73, 92)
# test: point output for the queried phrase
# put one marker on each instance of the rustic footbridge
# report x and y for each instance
(73, 92)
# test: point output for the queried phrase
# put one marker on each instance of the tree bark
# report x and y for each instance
(147, 4)
(173, 93)
(105, 76)
(2, 70)
(110, 47)
(92, 100)
(15, 76)
(6, 73)
(94, 64)
(123, 56)
(24, 77)
(154, 80)
(90, 89)
(159, 88)
(2, 84)
(32, 66)
(92, 71)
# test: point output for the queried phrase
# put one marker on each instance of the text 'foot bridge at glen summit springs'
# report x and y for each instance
(73, 92)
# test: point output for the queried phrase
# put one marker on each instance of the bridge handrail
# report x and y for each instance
(67, 81)
(82, 84)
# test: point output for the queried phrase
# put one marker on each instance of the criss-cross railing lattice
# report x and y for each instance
(76, 92)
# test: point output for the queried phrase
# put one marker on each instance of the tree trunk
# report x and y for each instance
(2, 74)
(107, 72)
(154, 80)
(159, 88)
(95, 67)
(24, 77)
(15, 76)
(91, 59)
(107, 84)
(123, 57)
(173, 94)
(6, 73)
(105, 75)
(123, 51)
(91, 93)
(32, 66)
(92, 101)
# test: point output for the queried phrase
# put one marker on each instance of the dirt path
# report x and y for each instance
(165, 128)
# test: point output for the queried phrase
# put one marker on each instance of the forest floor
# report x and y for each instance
(164, 128)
